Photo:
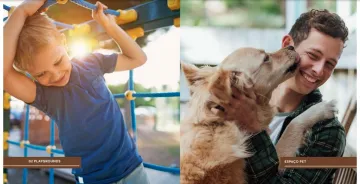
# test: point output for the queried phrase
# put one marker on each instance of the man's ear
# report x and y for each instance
(220, 86)
(191, 73)
(286, 41)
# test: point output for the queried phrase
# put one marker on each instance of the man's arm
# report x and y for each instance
(15, 83)
(132, 55)
(262, 167)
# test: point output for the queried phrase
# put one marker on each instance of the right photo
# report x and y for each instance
(268, 92)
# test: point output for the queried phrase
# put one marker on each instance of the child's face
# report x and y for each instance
(51, 65)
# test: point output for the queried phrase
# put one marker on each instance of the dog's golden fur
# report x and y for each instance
(213, 149)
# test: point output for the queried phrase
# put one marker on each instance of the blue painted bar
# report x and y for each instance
(131, 80)
(51, 176)
(13, 142)
(162, 168)
(37, 147)
(47, 4)
(152, 11)
(58, 151)
(26, 137)
(63, 25)
(52, 132)
(133, 119)
(7, 8)
(154, 95)
(132, 105)
(26, 130)
(81, 3)
(90, 6)
(52, 143)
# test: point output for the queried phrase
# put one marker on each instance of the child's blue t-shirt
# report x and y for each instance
(89, 120)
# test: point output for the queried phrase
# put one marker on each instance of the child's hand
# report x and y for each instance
(31, 6)
(98, 15)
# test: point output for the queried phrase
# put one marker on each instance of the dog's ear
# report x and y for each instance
(191, 72)
(194, 74)
(220, 86)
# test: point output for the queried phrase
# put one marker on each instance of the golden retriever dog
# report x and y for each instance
(212, 148)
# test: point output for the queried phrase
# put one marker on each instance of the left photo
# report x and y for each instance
(91, 91)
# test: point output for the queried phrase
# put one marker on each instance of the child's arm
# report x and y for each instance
(132, 55)
(17, 84)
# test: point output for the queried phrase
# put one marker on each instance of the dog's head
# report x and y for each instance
(254, 68)
(245, 68)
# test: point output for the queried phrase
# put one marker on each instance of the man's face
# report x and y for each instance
(319, 55)
(51, 65)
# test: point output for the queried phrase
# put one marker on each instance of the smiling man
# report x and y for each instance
(319, 38)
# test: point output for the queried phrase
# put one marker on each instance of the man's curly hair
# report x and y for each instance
(322, 20)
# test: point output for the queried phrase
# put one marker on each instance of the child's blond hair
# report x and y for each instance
(38, 31)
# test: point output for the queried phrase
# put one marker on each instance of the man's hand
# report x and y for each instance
(106, 21)
(242, 109)
(31, 6)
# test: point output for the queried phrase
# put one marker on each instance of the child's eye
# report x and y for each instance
(40, 75)
(58, 63)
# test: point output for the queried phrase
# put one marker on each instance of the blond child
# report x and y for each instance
(73, 92)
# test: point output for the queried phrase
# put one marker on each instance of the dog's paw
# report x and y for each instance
(321, 111)
(328, 108)
(325, 110)
(318, 112)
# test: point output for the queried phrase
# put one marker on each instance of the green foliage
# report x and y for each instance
(258, 6)
(238, 13)
(329, 5)
(238, 3)
(353, 6)
(192, 12)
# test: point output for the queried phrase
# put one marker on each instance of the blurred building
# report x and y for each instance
(39, 127)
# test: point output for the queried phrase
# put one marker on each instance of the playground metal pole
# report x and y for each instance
(52, 143)
(132, 105)
(26, 138)
(6, 130)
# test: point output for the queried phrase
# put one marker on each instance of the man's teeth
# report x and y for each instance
(308, 78)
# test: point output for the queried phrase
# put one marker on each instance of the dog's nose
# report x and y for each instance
(290, 47)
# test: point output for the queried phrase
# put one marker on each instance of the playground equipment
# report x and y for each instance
(6, 110)
(135, 21)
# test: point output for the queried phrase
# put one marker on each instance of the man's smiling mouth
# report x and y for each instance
(309, 78)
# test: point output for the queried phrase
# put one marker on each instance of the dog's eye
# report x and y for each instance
(266, 59)
(220, 108)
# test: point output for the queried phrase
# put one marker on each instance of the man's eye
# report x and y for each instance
(312, 56)
(329, 64)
